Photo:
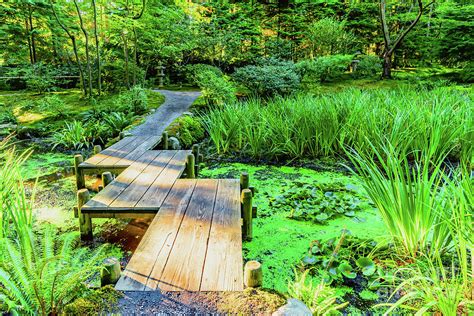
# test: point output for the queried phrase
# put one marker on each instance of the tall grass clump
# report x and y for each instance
(320, 126)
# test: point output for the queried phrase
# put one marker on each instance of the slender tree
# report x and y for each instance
(390, 46)
(86, 36)
(97, 48)
(74, 46)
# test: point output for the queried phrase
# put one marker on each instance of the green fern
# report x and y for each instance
(54, 276)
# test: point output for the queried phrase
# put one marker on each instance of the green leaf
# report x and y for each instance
(346, 269)
(367, 265)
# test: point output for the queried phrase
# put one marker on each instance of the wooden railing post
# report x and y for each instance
(97, 149)
(164, 140)
(253, 274)
(190, 164)
(195, 151)
(107, 177)
(244, 181)
(246, 200)
(80, 179)
(85, 222)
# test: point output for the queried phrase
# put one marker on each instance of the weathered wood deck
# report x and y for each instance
(194, 242)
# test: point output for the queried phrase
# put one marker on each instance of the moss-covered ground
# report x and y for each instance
(280, 242)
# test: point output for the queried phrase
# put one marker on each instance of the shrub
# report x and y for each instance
(467, 73)
(188, 130)
(368, 67)
(38, 77)
(117, 122)
(53, 104)
(135, 100)
(74, 135)
(7, 116)
(216, 89)
(192, 71)
(323, 69)
(269, 77)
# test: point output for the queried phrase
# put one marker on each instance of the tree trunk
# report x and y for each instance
(27, 27)
(125, 54)
(86, 36)
(97, 49)
(32, 34)
(74, 46)
(387, 67)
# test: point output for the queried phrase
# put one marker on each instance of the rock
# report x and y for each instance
(173, 143)
(188, 114)
(293, 307)
(8, 126)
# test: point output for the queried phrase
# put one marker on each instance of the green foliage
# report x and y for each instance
(368, 67)
(269, 77)
(192, 71)
(320, 298)
(216, 89)
(324, 68)
(7, 116)
(467, 73)
(53, 104)
(328, 37)
(412, 200)
(317, 203)
(188, 130)
(432, 288)
(135, 100)
(46, 273)
(94, 302)
(116, 122)
(322, 126)
(74, 135)
(38, 77)
(336, 260)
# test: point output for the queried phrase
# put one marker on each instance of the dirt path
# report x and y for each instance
(176, 103)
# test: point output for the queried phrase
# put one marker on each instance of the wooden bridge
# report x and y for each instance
(194, 242)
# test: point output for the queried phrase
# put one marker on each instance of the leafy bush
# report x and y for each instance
(114, 75)
(467, 73)
(38, 77)
(188, 130)
(216, 89)
(135, 100)
(368, 67)
(53, 104)
(116, 122)
(74, 135)
(192, 71)
(269, 77)
(7, 116)
(324, 68)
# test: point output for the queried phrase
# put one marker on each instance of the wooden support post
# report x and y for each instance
(195, 151)
(190, 170)
(253, 274)
(110, 272)
(80, 179)
(244, 181)
(164, 140)
(252, 188)
(254, 212)
(121, 135)
(246, 200)
(97, 149)
(100, 187)
(107, 177)
(85, 222)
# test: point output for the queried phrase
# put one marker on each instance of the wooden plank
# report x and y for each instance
(183, 270)
(159, 189)
(223, 264)
(105, 197)
(152, 252)
(147, 144)
(124, 151)
(104, 154)
(130, 196)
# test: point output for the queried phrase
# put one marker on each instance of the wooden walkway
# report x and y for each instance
(194, 242)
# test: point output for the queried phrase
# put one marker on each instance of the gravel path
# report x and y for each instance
(176, 103)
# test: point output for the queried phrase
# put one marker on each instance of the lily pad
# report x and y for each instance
(367, 265)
